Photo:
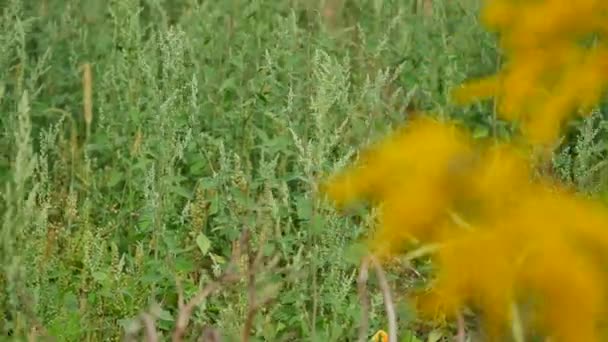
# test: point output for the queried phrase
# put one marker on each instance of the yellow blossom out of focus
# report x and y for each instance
(380, 336)
(555, 64)
(505, 239)
(417, 161)
(527, 241)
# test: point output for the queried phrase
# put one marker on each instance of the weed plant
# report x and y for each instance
(527, 253)
(139, 138)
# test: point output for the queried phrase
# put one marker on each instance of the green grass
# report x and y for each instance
(210, 117)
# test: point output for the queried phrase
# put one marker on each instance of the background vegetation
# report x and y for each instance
(208, 118)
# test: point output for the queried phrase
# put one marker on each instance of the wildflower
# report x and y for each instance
(523, 235)
(526, 242)
(538, 249)
(549, 73)
(419, 160)
(380, 336)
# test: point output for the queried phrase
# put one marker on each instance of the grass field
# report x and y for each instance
(140, 138)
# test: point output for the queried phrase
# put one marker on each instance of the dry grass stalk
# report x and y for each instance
(149, 327)
(229, 276)
(423, 6)
(87, 90)
(254, 303)
(427, 8)
(210, 335)
(364, 298)
(388, 300)
(461, 335)
(256, 264)
(330, 12)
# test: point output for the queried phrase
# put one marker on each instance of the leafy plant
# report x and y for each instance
(521, 249)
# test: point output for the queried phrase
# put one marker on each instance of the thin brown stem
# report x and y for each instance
(251, 294)
(388, 300)
(229, 276)
(461, 336)
(185, 312)
(210, 335)
(364, 298)
(233, 273)
(427, 8)
(149, 327)
(254, 303)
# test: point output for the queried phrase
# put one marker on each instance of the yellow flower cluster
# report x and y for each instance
(523, 237)
(505, 239)
(556, 62)
(380, 336)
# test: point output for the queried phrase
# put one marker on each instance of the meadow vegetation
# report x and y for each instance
(151, 150)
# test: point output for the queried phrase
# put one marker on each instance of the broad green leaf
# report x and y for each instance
(115, 178)
(435, 336)
(409, 336)
(99, 276)
(304, 207)
(481, 132)
(165, 315)
(203, 243)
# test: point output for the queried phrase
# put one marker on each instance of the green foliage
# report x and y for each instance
(209, 116)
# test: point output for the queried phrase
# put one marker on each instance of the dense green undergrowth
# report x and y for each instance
(210, 117)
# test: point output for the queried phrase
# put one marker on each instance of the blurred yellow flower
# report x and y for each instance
(541, 249)
(517, 241)
(550, 73)
(527, 241)
(380, 336)
(411, 174)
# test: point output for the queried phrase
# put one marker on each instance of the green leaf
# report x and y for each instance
(203, 243)
(183, 265)
(435, 336)
(218, 259)
(409, 336)
(214, 207)
(228, 84)
(115, 178)
(99, 276)
(304, 207)
(181, 191)
(165, 315)
(317, 224)
(355, 252)
(481, 132)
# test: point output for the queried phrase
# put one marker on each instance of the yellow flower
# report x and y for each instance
(548, 74)
(527, 243)
(523, 236)
(419, 160)
(380, 336)
(520, 254)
